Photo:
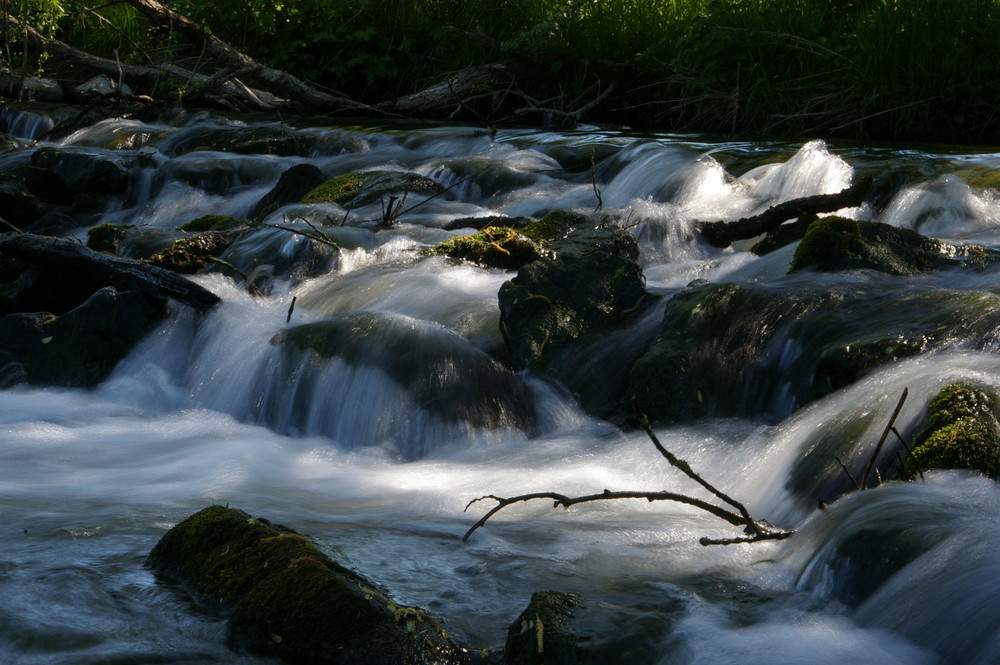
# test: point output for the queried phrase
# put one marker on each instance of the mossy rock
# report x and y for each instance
(961, 432)
(213, 223)
(360, 188)
(837, 243)
(540, 636)
(554, 226)
(293, 184)
(594, 283)
(189, 255)
(262, 140)
(493, 247)
(106, 237)
(287, 599)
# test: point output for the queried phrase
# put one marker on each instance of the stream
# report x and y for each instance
(347, 455)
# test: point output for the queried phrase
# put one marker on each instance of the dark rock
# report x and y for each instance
(961, 432)
(287, 599)
(68, 272)
(293, 184)
(88, 175)
(81, 347)
(260, 140)
(728, 350)
(190, 255)
(106, 237)
(836, 244)
(447, 374)
(540, 636)
(593, 283)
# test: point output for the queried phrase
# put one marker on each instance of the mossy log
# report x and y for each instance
(285, 598)
(77, 264)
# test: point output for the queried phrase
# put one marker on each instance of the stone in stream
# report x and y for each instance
(286, 598)
(359, 188)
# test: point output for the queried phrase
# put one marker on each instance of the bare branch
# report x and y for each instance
(881, 441)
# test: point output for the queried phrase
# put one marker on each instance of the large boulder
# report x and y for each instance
(734, 350)
(360, 188)
(286, 598)
(493, 247)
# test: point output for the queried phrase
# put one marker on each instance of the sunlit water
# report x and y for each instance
(89, 480)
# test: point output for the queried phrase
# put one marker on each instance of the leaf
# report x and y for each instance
(46, 340)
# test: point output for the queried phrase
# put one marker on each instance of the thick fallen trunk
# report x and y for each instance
(78, 264)
(722, 234)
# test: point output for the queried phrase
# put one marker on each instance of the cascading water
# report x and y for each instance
(374, 451)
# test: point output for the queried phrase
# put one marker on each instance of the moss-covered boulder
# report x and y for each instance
(286, 598)
(258, 140)
(961, 432)
(493, 247)
(78, 348)
(360, 188)
(207, 223)
(107, 237)
(540, 636)
(593, 283)
(836, 244)
(190, 255)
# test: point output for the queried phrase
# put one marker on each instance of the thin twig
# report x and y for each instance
(881, 441)
(849, 474)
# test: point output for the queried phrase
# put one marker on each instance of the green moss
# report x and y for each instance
(494, 246)
(189, 255)
(288, 599)
(106, 237)
(339, 190)
(961, 432)
(213, 223)
(553, 226)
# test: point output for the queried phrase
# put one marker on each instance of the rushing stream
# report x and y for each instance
(202, 412)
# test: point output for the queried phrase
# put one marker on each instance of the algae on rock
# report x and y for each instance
(961, 432)
(285, 598)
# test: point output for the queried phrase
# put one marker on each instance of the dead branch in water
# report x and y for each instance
(757, 530)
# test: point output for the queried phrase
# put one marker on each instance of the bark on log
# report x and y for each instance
(79, 263)
(722, 234)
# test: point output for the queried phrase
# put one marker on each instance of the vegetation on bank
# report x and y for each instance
(860, 68)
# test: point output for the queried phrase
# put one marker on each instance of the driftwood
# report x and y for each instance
(722, 234)
(81, 264)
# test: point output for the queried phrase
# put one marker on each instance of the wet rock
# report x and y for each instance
(213, 223)
(731, 350)
(360, 188)
(81, 347)
(559, 628)
(106, 237)
(837, 244)
(287, 599)
(293, 184)
(445, 373)
(593, 283)
(961, 432)
(188, 256)
(88, 175)
(493, 247)
(259, 140)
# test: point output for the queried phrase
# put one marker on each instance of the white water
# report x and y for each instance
(89, 480)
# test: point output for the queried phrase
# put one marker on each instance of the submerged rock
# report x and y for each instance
(287, 599)
(961, 432)
(446, 374)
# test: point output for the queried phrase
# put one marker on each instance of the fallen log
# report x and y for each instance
(722, 234)
(78, 264)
